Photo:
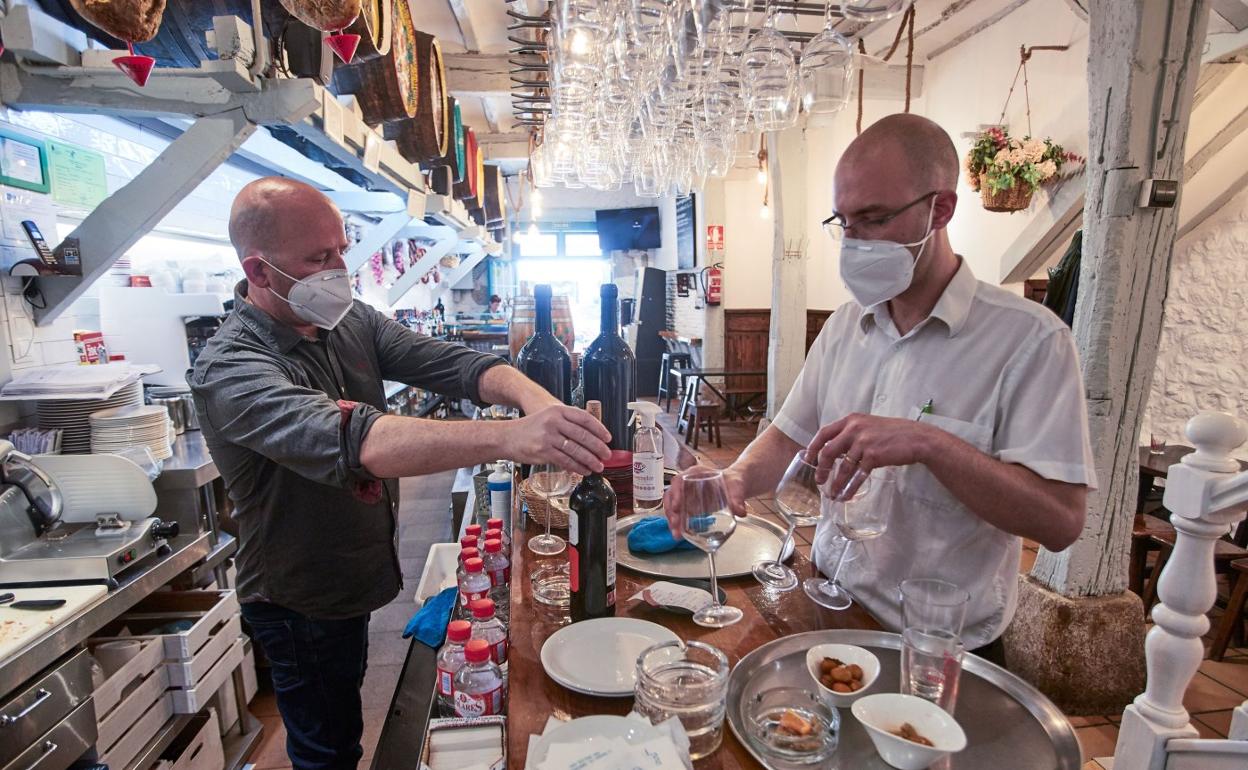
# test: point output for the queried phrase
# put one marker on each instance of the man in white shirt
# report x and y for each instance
(1001, 454)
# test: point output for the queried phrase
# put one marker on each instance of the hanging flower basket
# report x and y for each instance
(1010, 199)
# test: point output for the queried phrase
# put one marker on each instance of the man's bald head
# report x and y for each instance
(912, 144)
(266, 207)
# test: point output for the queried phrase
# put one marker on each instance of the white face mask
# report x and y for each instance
(322, 299)
(877, 271)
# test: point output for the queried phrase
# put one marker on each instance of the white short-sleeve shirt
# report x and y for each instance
(1003, 375)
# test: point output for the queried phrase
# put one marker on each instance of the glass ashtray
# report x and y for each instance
(792, 724)
(550, 583)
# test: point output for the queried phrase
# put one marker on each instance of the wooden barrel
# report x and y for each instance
(423, 139)
(523, 319)
(466, 187)
(477, 215)
(375, 26)
(386, 87)
(495, 196)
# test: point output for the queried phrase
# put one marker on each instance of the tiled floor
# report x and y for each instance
(424, 519)
(1216, 689)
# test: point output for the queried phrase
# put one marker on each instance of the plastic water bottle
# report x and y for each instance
(461, 573)
(475, 583)
(472, 531)
(486, 626)
(499, 484)
(478, 685)
(450, 660)
(493, 524)
(496, 564)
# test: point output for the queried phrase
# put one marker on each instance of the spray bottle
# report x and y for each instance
(647, 458)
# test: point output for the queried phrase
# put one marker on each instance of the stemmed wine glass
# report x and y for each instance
(799, 500)
(549, 481)
(860, 515)
(708, 522)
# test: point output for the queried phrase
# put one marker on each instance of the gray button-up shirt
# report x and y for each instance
(284, 417)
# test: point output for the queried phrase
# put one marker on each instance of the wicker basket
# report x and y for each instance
(539, 509)
(1011, 199)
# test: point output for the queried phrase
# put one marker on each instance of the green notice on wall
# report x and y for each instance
(78, 178)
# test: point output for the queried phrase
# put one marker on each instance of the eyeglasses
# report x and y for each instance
(837, 221)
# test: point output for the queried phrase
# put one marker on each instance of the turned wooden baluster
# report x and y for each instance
(1201, 492)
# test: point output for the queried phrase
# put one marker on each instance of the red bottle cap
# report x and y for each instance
(474, 564)
(494, 524)
(468, 542)
(477, 651)
(493, 546)
(482, 608)
(459, 631)
(473, 530)
(493, 534)
(469, 553)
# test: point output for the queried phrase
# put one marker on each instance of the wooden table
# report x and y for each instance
(533, 696)
(700, 378)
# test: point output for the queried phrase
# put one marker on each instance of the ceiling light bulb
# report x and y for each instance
(765, 213)
(762, 176)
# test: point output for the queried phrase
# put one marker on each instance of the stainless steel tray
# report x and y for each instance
(1008, 723)
(753, 541)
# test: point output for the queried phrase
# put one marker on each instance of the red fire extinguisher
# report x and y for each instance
(713, 283)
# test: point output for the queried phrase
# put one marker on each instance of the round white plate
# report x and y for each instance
(588, 730)
(599, 657)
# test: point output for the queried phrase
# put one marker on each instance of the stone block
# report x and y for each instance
(1086, 654)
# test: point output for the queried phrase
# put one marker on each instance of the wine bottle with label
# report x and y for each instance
(543, 358)
(609, 371)
(591, 544)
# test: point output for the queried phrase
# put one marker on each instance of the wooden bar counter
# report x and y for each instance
(533, 696)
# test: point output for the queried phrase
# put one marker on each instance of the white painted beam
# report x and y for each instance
(127, 215)
(464, 270)
(365, 202)
(1234, 11)
(888, 81)
(463, 19)
(409, 279)
(475, 74)
(374, 238)
(1052, 226)
(36, 37)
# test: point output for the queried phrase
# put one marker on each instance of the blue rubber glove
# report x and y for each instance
(651, 535)
(428, 625)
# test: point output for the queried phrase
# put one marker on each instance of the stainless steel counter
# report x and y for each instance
(30, 660)
(191, 465)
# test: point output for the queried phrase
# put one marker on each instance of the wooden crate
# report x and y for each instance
(197, 747)
(123, 752)
(191, 700)
(208, 610)
(188, 673)
(135, 703)
(108, 695)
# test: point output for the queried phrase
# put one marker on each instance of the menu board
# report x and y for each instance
(78, 178)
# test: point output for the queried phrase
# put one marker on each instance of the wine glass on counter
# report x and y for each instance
(859, 515)
(553, 484)
(708, 523)
(800, 503)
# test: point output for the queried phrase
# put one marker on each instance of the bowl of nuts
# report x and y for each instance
(843, 672)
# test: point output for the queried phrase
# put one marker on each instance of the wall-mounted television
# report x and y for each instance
(625, 229)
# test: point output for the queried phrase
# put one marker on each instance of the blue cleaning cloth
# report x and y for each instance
(428, 625)
(651, 535)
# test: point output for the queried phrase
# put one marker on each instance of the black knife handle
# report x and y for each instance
(38, 604)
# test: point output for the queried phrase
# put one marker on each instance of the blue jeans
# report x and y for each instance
(318, 668)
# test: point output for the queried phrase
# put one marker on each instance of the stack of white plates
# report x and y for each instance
(72, 416)
(115, 429)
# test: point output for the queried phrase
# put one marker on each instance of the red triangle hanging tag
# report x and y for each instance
(137, 67)
(344, 45)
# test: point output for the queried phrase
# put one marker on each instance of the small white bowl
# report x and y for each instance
(884, 712)
(848, 654)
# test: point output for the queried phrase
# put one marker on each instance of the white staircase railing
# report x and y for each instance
(1202, 492)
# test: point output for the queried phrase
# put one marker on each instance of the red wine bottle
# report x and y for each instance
(610, 372)
(591, 544)
(543, 358)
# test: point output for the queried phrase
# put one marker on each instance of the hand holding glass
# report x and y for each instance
(861, 516)
(708, 522)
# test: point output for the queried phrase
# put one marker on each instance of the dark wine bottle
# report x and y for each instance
(609, 371)
(591, 544)
(543, 358)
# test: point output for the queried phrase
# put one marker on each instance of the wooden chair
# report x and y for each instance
(1224, 553)
(1232, 622)
(704, 415)
(1142, 532)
